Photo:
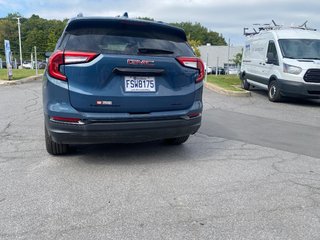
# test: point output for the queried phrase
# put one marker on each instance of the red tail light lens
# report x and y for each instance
(62, 58)
(55, 61)
(193, 62)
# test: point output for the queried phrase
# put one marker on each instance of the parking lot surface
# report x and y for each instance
(252, 172)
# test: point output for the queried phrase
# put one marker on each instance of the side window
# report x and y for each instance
(272, 54)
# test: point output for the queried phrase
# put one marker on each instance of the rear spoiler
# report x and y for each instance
(125, 27)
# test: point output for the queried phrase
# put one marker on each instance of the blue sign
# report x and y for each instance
(7, 52)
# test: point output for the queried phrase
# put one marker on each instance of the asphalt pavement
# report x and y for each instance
(252, 172)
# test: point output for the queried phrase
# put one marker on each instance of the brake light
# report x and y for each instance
(55, 61)
(193, 62)
(62, 58)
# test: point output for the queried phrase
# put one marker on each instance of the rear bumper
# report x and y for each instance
(299, 89)
(121, 132)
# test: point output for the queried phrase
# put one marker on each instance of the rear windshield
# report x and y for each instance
(129, 40)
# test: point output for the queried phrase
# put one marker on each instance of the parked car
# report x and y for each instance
(233, 71)
(42, 65)
(4, 64)
(27, 65)
(220, 71)
(285, 62)
(209, 70)
(120, 80)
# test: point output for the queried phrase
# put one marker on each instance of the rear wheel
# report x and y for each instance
(244, 84)
(54, 148)
(274, 93)
(177, 141)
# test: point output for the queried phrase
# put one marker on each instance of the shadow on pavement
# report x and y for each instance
(289, 100)
(135, 153)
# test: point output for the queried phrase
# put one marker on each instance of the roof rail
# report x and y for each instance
(273, 26)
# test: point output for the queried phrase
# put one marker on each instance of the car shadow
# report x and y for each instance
(135, 153)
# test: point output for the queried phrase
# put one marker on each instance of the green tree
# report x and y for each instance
(43, 33)
(52, 40)
(195, 31)
(195, 46)
(238, 58)
(9, 31)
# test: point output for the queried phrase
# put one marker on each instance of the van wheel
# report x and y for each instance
(54, 148)
(274, 93)
(244, 84)
(176, 141)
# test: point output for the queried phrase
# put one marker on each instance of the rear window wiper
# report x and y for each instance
(154, 51)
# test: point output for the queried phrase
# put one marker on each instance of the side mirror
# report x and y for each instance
(271, 59)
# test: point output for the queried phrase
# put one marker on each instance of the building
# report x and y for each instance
(217, 56)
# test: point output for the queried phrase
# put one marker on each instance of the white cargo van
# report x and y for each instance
(284, 61)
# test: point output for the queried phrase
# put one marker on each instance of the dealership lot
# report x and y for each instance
(252, 172)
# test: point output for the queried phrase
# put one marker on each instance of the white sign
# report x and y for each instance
(7, 51)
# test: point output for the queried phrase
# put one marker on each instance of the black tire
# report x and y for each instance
(244, 84)
(274, 91)
(54, 148)
(177, 141)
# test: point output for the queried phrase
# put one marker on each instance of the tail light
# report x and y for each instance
(62, 58)
(193, 62)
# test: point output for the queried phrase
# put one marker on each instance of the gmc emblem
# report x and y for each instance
(139, 62)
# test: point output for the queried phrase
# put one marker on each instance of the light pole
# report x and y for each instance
(228, 56)
(20, 47)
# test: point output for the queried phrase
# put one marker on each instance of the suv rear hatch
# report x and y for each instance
(128, 66)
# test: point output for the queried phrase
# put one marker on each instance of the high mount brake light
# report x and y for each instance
(193, 62)
(68, 57)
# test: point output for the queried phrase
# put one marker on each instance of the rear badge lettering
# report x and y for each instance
(104, 102)
(139, 62)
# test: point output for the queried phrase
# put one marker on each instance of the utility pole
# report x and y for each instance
(206, 77)
(32, 62)
(20, 47)
(217, 67)
(228, 55)
(35, 58)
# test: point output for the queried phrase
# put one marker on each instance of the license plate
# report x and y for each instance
(139, 84)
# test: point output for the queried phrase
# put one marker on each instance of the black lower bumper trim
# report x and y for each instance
(122, 132)
(299, 89)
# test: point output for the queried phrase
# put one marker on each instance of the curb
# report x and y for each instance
(20, 81)
(221, 90)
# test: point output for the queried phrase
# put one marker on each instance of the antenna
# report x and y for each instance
(80, 15)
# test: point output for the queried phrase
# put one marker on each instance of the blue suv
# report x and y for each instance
(119, 80)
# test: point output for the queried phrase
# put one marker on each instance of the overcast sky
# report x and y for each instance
(227, 17)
